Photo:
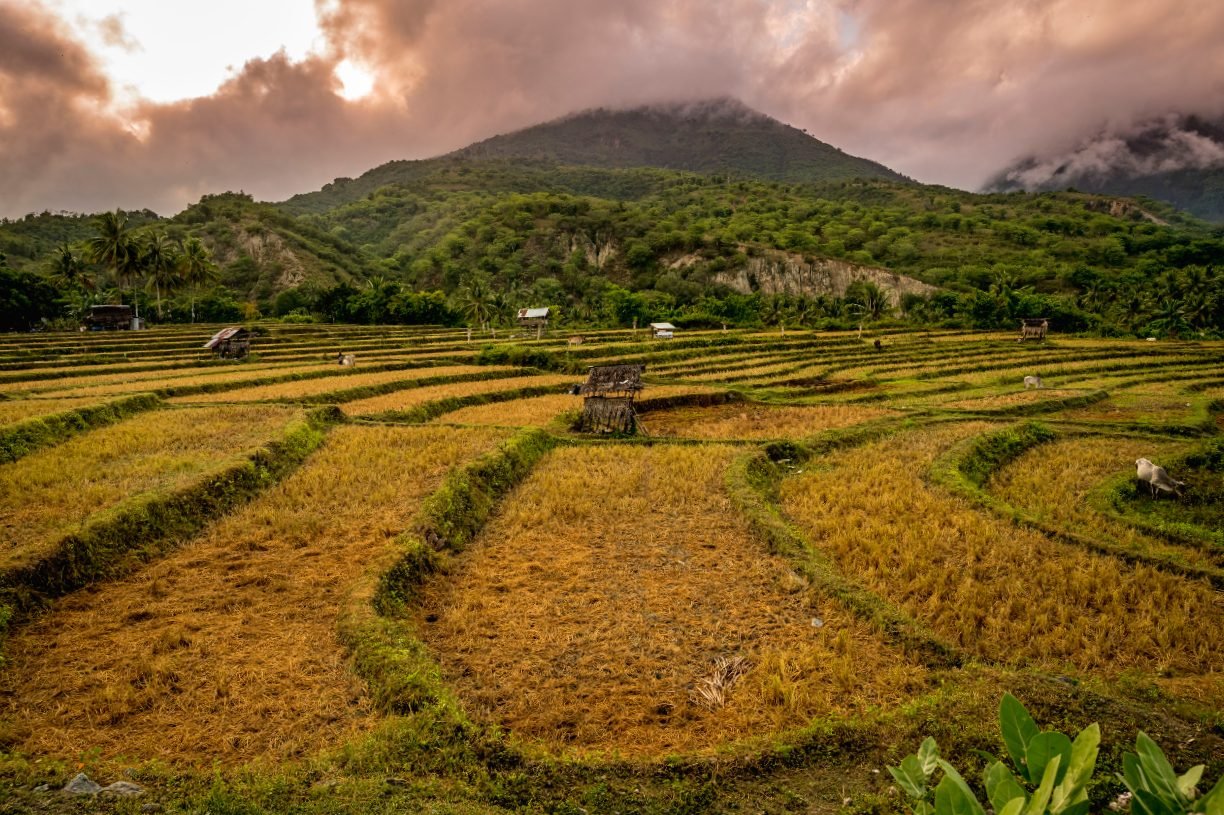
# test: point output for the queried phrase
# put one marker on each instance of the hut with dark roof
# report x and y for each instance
(109, 318)
(608, 398)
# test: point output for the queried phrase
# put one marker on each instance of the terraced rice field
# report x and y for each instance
(414, 397)
(16, 410)
(277, 595)
(1008, 595)
(51, 492)
(228, 648)
(305, 389)
(746, 421)
(605, 591)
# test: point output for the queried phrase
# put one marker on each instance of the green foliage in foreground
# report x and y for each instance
(1051, 774)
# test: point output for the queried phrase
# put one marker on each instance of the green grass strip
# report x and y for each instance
(24, 437)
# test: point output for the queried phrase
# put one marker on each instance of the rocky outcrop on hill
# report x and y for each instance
(785, 273)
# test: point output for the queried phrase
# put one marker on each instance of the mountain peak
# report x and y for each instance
(713, 135)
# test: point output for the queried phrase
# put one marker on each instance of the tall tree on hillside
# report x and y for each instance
(69, 271)
(161, 263)
(196, 268)
(475, 299)
(872, 298)
(115, 247)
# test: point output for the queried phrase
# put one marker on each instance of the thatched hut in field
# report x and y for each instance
(662, 331)
(230, 343)
(609, 392)
(1034, 328)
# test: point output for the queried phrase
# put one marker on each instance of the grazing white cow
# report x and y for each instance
(1032, 382)
(1157, 479)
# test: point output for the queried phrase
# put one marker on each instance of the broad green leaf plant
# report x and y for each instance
(1050, 774)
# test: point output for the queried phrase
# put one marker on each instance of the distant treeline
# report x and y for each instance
(465, 242)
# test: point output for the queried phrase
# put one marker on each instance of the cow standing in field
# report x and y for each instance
(1033, 382)
(1156, 478)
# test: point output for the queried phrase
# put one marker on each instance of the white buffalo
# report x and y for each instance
(1157, 479)
(1032, 382)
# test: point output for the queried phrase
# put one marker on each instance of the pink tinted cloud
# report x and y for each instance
(946, 92)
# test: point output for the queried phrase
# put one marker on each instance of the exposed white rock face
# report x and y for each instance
(784, 273)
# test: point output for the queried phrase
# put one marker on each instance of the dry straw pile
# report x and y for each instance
(616, 600)
(227, 650)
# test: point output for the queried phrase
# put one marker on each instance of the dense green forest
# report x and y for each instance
(463, 240)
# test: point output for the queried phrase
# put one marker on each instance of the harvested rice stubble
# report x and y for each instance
(593, 609)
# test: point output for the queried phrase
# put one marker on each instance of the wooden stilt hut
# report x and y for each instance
(609, 392)
(1034, 328)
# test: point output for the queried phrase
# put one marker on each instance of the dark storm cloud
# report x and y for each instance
(947, 92)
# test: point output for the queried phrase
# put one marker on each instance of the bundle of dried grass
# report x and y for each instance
(711, 690)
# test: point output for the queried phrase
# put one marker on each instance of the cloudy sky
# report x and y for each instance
(152, 103)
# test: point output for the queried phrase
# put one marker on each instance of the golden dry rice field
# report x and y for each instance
(417, 585)
(590, 609)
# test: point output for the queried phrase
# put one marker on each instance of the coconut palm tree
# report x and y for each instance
(161, 262)
(872, 299)
(475, 299)
(68, 270)
(1170, 318)
(196, 268)
(115, 247)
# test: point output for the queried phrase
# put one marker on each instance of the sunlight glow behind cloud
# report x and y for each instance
(358, 82)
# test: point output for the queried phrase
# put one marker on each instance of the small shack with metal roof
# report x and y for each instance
(536, 318)
(609, 392)
(109, 318)
(230, 343)
(662, 331)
